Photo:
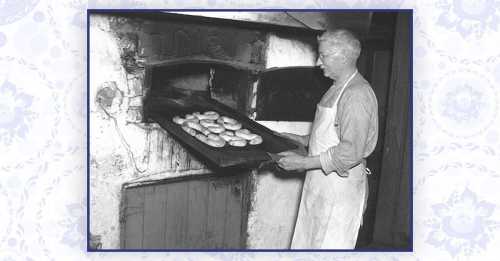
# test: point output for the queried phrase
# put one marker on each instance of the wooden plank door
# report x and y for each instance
(205, 212)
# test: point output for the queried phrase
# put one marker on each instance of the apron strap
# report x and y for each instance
(344, 86)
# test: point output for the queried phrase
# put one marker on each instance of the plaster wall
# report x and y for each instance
(122, 148)
(277, 195)
(276, 199)
(284, 52)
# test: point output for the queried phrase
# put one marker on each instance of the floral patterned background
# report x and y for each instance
(43, 129)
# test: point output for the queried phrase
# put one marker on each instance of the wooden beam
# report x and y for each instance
(393, 182)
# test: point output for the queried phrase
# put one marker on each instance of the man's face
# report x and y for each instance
(330, 60)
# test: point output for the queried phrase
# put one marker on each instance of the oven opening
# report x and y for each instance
(224, 83)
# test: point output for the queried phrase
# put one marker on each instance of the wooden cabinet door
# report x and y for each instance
(186, 213)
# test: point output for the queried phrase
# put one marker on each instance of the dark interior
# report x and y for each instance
(290, 94)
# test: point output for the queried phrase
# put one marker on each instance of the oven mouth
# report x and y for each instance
(177, 79)
(179, 87)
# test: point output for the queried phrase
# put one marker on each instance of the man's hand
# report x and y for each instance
(292, 161)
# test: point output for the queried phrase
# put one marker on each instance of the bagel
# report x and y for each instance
(209, 123)
(256, 141)
(209, 115)
(189, 130)
(227, 136)
(245, 134)
(205, 123)
(190, 116)
(225, 119)
(216, 129)
(197, 126)
(197, 114)
(246, 131)
(212, 126)
(215, 143)
(192, 120)
(232, 126)
(228, 132)
(212, 140)
(201, 137)
(205, 131)
(214, 136)
(178, 120)
(193, 125)
(238, 143)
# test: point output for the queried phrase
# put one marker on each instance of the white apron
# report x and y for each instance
(331, 207)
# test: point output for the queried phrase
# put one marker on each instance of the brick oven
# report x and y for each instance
(151, 188)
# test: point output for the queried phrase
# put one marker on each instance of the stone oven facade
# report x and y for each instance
(127, 150)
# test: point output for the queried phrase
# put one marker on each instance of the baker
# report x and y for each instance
(343, 134)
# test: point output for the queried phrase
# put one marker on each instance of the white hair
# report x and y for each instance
(345, 41)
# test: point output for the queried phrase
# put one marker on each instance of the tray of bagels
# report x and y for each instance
(220, 135)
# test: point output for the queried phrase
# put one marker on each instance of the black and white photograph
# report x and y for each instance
(250, 130)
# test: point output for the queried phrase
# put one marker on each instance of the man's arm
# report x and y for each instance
(354, 125)
(302, 139)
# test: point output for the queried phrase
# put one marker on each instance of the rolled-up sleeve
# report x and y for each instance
(354, 121)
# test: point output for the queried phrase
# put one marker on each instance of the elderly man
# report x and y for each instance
(343, 134)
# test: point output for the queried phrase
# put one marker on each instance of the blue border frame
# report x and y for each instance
(410, 125)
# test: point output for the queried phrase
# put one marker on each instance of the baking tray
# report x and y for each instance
(162, 110)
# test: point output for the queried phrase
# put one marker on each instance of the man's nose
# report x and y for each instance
(318, 62)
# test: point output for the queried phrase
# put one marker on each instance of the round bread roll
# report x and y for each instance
(256, 141)
(188, 130)
(178, 120)
(245, 134)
